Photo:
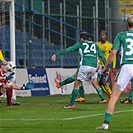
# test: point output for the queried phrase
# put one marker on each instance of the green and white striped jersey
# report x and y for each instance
(124, 41)
(90, 52)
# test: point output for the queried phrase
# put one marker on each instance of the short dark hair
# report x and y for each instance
(104, 31)
(130, 21)
(84, 35)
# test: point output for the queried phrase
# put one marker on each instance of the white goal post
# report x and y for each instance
(12, 29)
(6, 0)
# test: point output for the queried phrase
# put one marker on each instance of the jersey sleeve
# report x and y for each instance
(72, 48)
(1, 56)
(117, 42)
(114, 60)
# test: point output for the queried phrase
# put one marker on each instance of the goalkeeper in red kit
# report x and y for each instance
(6, 86)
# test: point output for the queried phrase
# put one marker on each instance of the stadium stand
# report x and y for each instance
(69, 60)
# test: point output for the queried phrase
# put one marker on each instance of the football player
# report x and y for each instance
(6, 86)
(106, 48)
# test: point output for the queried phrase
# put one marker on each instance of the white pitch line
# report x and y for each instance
(61, 119)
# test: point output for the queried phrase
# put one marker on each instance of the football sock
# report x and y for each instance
(67, 81)
(107, 117)
(130, 97)
(81, 91)
(100, 93)
(74, 94)
(9, 96)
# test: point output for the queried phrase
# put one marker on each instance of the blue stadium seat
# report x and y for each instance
(7, 46)
(19, 34)
(19, 40)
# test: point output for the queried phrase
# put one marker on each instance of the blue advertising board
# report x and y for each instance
(39, 77)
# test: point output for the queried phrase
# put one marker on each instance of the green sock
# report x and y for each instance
(68, 80)
(100, 93)
(81, 91)
(130, 97)
(107, 117)
(74, 94)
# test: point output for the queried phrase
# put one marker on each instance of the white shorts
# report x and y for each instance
(124, 76)
(85, 72)
(97, 74)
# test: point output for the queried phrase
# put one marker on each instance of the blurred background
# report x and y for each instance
(43, 27)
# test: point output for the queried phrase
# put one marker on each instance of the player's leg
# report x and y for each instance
(2, 92)
(14, 95)
(130, 97)
(64, 82)
(70, 80)
(118, 87)
(110, 107)
(104, 85)
(104, 82)
(104, 90)
(81, 91)
(9, 87)
(74, 94)
(8, 91)
(81, 95)
(95, 84)
(67, 81)
(9, 96)
(81, 76)
(14, 102)
(99, 90)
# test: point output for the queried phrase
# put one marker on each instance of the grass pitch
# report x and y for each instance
(45, 114)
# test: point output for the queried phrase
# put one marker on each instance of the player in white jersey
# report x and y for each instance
(123, 40)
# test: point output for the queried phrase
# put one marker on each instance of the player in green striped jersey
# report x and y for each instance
(123, 40)
(89, 59)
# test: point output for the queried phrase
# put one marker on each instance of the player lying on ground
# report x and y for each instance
(6, 86)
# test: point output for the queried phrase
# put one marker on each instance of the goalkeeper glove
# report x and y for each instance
(30, 85)
(11, 75)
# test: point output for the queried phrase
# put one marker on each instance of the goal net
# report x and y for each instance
(7, 29)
